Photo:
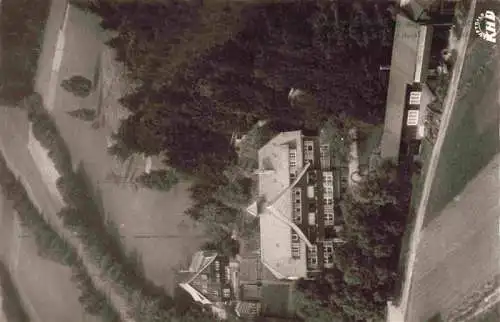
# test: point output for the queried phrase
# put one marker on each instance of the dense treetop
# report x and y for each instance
(203, 70)
(206, 69)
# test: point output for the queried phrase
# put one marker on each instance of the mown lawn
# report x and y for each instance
(472, 136)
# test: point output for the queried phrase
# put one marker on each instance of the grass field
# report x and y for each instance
(472, 137)
(458, 252)
(149, 222)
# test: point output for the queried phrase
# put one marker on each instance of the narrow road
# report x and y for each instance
(448, 110)
(23, 166)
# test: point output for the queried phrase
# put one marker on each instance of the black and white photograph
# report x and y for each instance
(249, 160)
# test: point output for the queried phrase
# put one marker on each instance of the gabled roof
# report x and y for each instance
(275, 216)
(405, 58)
(192, 279)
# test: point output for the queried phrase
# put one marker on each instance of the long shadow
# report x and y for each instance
(11, 304)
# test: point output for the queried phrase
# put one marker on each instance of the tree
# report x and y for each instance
(163, 180)
(85, 114)
(78, 85)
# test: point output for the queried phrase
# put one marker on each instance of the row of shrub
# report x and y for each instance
(12, 305)
(22, 24)
(83, 214)
(52, 246)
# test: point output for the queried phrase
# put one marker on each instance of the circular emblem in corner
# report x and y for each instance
(486, 26)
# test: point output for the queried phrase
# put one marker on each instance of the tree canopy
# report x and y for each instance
(193, 94)
(366, 265)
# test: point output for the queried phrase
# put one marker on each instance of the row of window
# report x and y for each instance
(292, 159)
(296, 250)
(309, 151)
(413, 117)
(328, 178)
(226, 292)
(297, 205)
(324, 152)
(328, 254)
(312, 255)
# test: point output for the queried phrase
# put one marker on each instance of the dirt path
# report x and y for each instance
(448, 109)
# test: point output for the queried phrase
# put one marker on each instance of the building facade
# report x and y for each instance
(296, 206)
(211, 280)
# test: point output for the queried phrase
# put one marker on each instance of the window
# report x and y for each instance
(295, 237)
(297, 215)
(412, 119)
(309, 151)
(312, 257)
(311, 219)
(311, 177)
(227, 293)
(324, 152)
(329, 218)
(295, 250)
(217, 277)
(328, 201)
(204, 277)
(415, 98)
(328, 254)
(328, 247)
(328, 178)
(292, 158)
(329, 192)
(310, 192)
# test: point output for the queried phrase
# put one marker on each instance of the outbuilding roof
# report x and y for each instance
(410, 54)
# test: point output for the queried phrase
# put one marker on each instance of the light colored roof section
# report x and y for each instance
(275, 233)
(274, 155)
(276, 245)
(404, 58)
(197, 296)
(253, 209)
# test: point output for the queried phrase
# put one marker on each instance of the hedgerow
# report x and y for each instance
(51, 245)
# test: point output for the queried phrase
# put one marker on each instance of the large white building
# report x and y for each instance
(296, 206)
